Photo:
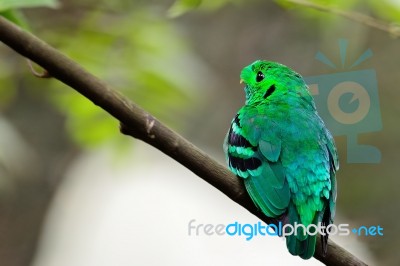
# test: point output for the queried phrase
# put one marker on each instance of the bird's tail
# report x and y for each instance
(300, 243)
(326, 220)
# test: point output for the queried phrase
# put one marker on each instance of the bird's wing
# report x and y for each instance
(256, 160)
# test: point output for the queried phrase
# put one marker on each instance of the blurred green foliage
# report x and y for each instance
(13, 4)
(9, 9)
(15, 16)
(385, 9)
(180, 7)
(132, 46)
(132, 49)
(6, 94)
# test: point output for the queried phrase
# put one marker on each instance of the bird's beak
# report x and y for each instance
(241, 81)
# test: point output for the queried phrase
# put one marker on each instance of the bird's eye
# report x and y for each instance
(260, 76)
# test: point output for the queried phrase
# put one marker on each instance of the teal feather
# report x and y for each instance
(274, 198)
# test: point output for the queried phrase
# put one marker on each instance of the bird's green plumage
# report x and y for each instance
(281, 148)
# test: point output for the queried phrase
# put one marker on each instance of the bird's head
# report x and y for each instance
(266, 81)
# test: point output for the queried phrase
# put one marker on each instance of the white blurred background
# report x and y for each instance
(136, 212)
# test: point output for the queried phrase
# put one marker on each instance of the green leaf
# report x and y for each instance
(14, 4)
(182, 6)
(16, 17)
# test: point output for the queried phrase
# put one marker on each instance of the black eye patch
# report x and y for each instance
(270, 90)
(260, 76)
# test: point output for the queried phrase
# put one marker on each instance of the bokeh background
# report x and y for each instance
(74, 191)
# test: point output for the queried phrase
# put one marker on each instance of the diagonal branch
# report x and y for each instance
(392, 28)
(141, 125)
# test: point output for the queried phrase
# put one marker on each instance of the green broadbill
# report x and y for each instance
(287, 158)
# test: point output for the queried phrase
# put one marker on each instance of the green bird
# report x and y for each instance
(279, 146)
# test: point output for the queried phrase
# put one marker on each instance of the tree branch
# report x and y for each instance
(141, 125)
(392, 28)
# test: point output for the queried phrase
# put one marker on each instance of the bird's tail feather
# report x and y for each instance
(326, 220)
(301, 244)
